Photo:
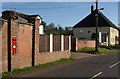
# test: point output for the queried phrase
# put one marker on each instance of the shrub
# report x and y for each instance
(107, 47)
(115, 46)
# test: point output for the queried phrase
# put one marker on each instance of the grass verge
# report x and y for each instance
(30, 69)
(91, 50)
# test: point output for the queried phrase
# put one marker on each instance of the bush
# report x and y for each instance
(107, 47)
(115, 46)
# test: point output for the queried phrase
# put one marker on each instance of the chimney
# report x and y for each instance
(92, 8)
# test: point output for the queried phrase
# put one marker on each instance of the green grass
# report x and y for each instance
(102, 50)
(38, 67)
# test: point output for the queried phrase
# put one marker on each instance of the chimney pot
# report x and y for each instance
(92, 8)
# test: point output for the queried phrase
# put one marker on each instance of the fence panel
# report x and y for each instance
(44, 45)
(56, 43)
(66, 42)
(47, 43)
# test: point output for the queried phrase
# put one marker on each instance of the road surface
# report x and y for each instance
(92, 67)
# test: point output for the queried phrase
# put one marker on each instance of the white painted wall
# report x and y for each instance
(113, 32)
(41, 30)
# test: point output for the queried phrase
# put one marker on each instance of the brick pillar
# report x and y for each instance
(37, 24)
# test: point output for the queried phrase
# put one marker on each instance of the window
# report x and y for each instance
(104, 36)
(88, 31)
(113, 30)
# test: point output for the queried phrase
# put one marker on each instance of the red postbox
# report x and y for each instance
(14, 45)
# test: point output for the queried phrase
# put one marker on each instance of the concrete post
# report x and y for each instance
(62, 42)
(76, 44)
(100, 37)
(70, 43)
(51, 42)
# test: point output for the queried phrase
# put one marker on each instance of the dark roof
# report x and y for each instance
(8, 14)
(90, 21)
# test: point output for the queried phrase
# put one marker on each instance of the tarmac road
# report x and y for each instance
(91, 67)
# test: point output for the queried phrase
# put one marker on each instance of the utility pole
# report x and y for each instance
(96, 15)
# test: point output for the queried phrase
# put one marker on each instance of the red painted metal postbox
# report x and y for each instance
(14, 45)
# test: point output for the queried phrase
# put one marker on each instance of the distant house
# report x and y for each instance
(85, 29)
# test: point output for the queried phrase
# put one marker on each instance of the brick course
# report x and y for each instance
(4, 45)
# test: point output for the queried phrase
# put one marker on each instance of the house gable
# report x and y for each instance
(90, 21)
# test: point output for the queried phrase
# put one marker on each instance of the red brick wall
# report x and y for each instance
(23, 56)
(46, 57)
(85, 43)
(4, 45)
(23, 34)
